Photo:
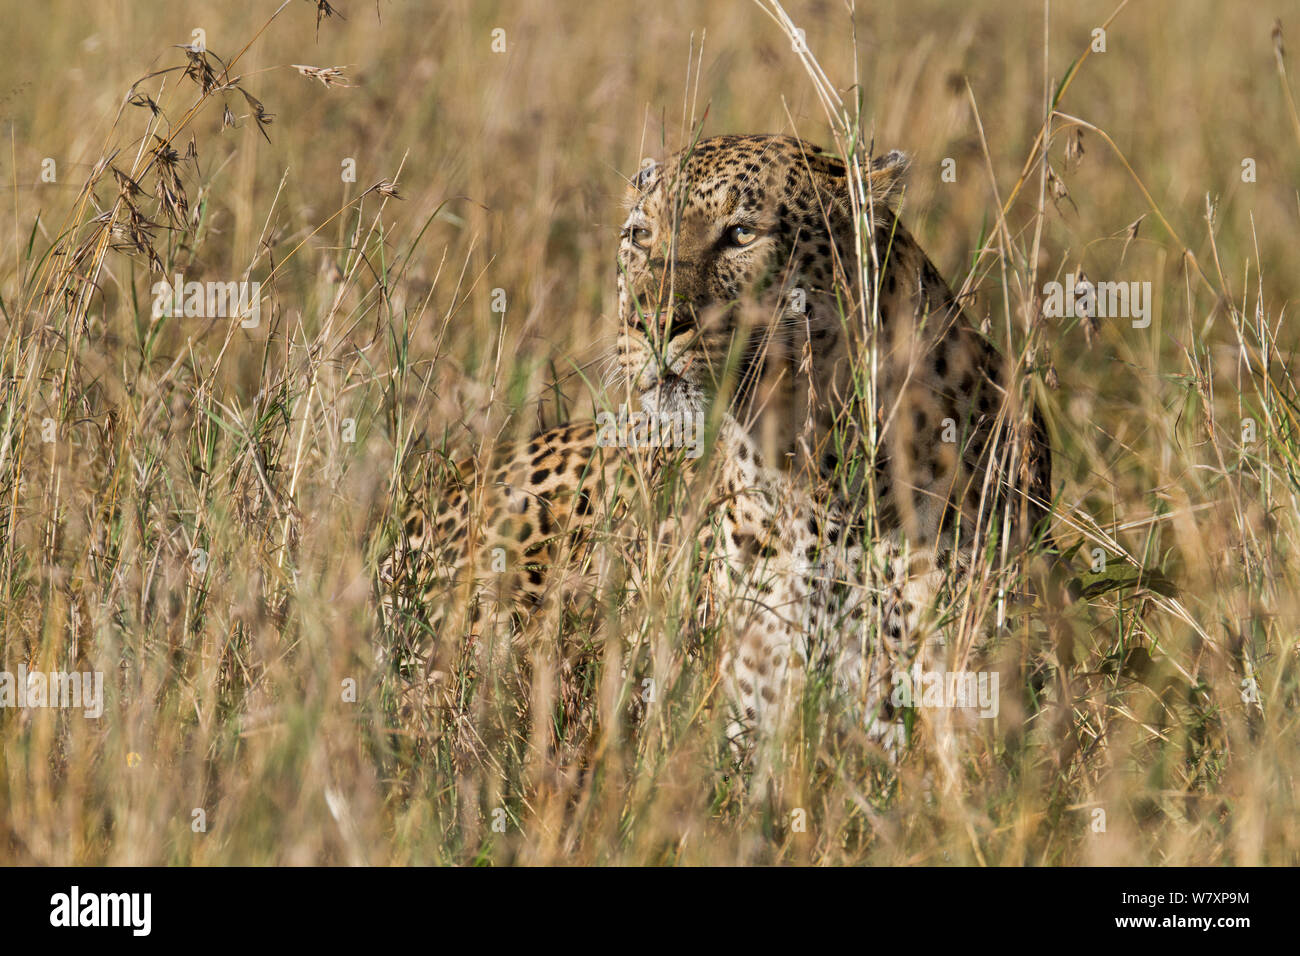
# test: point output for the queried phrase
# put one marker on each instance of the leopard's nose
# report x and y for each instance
(666, 324)
(678, 322)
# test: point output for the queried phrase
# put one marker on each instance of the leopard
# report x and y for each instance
(870, 438)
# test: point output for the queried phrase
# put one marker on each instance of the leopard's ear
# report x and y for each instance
(887, 176)
(882, 181)
(642, 182)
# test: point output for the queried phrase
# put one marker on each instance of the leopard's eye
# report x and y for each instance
(741, 235)
(641, 237)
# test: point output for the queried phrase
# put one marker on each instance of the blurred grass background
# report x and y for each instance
(225, 684)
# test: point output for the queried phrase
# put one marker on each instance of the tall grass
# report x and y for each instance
(203, 523)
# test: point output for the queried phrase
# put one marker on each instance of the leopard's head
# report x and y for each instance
(739, 253)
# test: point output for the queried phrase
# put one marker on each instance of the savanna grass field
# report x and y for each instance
(429, 198)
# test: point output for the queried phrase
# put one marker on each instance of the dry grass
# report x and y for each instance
(225, 670)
